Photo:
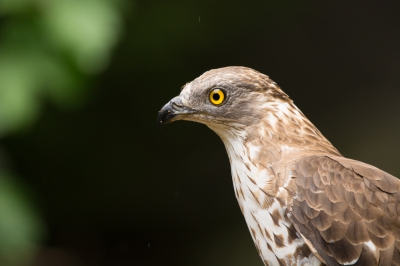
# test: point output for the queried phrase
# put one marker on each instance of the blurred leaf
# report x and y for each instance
(87, 29)
(21, 229)
(47, 50)
(8, 6)
(18, 87)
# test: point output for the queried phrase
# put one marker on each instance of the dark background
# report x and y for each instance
(113, 190)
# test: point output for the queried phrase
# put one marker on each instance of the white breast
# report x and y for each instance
(263, 213)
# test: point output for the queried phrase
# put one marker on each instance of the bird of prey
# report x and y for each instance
(304, 203)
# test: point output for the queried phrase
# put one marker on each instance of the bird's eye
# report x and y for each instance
(217, 96)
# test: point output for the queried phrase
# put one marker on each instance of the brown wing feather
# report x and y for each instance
(349, 211)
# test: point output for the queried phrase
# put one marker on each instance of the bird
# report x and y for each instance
(303, 202)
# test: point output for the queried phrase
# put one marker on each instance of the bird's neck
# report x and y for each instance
(258, 155)
(284, 131)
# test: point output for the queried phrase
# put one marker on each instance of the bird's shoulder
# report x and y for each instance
(348, 211)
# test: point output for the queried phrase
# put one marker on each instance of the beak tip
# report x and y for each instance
(169, 111)
(159, 123)
(160, 119)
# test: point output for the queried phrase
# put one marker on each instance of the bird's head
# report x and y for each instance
(241, 103)
(224, 97)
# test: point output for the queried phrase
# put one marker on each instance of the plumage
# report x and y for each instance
(304, 203)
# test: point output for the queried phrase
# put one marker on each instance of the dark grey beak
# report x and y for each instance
(172, 111)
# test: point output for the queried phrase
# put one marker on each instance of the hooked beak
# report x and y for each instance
(172, 111)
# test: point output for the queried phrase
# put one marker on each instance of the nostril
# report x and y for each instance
(176, 105)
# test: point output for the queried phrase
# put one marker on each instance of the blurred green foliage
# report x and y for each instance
(48, 49)
(20, 226)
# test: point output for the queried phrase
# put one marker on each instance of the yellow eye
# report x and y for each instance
(217, 96)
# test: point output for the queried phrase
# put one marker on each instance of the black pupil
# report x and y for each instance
(216, 96)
